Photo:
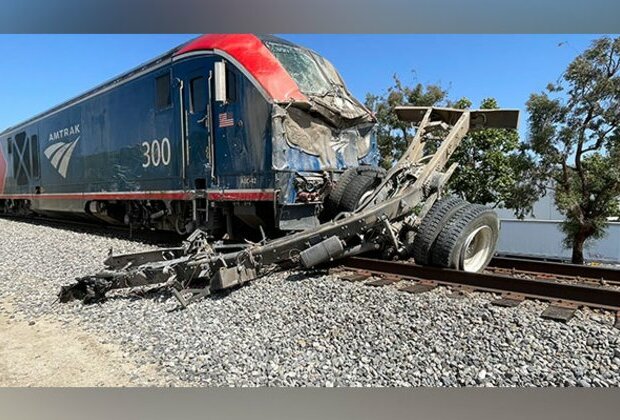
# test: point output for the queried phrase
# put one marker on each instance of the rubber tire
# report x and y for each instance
(431, 226)
(446, 251)
(354, 192)
(334, 201)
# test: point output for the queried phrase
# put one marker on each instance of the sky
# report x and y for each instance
(40, 71)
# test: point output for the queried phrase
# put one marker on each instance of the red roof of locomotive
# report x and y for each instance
(249, 51)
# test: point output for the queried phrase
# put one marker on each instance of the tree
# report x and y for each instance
(392, 134)
(494, 167)
(573, 130)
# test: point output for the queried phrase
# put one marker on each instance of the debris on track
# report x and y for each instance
(384, 214)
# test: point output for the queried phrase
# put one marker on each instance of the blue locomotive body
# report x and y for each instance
(225, 128)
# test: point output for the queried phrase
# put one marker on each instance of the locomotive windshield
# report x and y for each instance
(302, 67)
(319, 79)
(330, 70)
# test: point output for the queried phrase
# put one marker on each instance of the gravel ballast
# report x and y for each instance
(291, 328)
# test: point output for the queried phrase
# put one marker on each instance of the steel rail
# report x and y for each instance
(581, 295)
(610, 275)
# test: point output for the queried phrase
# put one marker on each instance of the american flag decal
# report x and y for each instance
(226, 119)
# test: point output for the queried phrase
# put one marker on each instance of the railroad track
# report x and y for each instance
(543, 269)
(564, 298)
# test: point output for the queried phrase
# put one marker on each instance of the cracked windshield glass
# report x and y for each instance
(302, 68)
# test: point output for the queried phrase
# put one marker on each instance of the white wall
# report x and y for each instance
(539, 235)
(543, 239)
(544, 209)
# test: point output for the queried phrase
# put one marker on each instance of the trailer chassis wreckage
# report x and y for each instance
(386, 220)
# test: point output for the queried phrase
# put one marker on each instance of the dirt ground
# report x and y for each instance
(49, 353)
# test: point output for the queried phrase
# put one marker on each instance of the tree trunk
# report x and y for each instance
(578, 242)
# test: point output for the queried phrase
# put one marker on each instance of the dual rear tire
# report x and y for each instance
(353, 185)
(453, 234)
(456, 234)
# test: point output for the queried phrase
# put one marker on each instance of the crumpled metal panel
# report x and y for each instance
(322, 149)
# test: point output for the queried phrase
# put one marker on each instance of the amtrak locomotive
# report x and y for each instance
(225, 133)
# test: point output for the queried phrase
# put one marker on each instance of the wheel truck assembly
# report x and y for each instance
(400, 214)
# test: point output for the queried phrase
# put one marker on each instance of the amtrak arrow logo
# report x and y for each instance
(59, 155)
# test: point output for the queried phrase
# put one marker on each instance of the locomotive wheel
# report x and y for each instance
(467, 242)
(351, 187)
(431, 226)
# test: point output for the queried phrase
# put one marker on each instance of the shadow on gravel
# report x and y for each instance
(157, 238)
(304, 275)
(156, 293)
(161, 295)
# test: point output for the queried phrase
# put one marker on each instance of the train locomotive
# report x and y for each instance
(233, 134)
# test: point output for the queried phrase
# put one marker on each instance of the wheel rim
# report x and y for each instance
(477, 249)
(365, 196)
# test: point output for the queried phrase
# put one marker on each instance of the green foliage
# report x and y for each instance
(573, 131)
(494, 168)
(392, 134)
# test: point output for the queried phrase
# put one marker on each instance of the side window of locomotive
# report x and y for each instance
(198, 90)
(231, 86)
(163, 98)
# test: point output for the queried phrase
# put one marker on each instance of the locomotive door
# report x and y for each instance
(193, 78)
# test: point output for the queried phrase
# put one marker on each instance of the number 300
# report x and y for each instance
(156, 153)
